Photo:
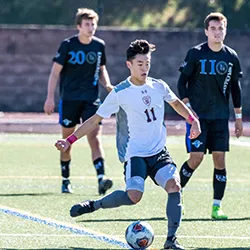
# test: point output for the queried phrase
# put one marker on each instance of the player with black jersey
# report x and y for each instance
(80, 63)
(210, 72)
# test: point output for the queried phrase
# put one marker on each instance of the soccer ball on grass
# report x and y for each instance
(139, 235)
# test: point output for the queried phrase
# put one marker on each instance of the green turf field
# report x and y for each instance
(35, 215)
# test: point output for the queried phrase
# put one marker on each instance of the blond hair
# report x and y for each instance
(84, 13)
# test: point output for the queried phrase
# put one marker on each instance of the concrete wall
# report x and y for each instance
(26, 53)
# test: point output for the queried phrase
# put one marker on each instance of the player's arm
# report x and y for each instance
(185, 112)
(49, 104)
(182, 87)
(104, 78)
(236, 97)
(85, 128)
(183, 92)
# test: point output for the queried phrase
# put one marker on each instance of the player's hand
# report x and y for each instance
(238, 127)
(49, 106)
(195, 129)
(62, 145)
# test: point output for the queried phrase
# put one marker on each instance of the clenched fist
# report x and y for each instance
(62, 145)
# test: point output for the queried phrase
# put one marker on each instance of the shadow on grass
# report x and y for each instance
(223, 248)
(29, 194)
(160, 219)
(69, 248)
(208, 219)
(120, 219)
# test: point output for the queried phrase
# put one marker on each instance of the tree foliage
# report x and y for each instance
(129, 13)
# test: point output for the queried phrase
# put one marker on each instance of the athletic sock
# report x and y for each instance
(185, 174)
(217, 203)
(65, 169)
(115, 199)
(174, 213)
(219, 183)
(99, 166)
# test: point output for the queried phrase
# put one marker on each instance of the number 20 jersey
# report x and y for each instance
(81, 67)
(140, 116)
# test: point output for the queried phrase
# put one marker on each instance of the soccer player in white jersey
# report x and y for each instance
(138, 103)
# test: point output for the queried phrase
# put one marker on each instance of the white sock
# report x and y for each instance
(217, 203)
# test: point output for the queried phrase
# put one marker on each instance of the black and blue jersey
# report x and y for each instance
(212, 76)
(81, 67)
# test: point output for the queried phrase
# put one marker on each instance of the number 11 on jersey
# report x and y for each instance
(149, 113)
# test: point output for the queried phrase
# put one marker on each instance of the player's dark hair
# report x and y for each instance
(217, 16)
(139, 47)
(84, 13)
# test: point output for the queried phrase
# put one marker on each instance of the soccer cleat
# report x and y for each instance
(218, 214)
(82, 208)
(103, 185)
(66, 187)
(173, 244)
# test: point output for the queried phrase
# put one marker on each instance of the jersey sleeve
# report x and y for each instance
(237, 72)
(62, 53)
(169, 95)
(188, 66)
(103, 58)
(109, 106)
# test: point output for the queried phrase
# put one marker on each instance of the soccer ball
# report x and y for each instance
(139, 235)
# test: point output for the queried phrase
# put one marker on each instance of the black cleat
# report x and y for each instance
(104, 185)
(66, 187)
(173, 244)
(82, 208)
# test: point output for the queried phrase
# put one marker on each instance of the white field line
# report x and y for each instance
(77, 230)
(122, 236)
(240, 143)
(94, 178)
(234, 142)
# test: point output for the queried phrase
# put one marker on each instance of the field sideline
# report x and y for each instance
(41, 123)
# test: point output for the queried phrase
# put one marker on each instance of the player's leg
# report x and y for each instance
(135, 175)
(196, 147)
(167, 176)
(219, 145)
(97, 151)
(68, 119)
(65, 160)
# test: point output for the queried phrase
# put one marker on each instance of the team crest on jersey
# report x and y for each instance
(221, 67)
(91, 57)
(146, 100)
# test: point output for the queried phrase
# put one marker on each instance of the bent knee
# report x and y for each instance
(134, 195)
(173, 186)
(195, 160)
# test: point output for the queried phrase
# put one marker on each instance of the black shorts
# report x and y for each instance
(147, 166)
(72, 113)
(214, 137)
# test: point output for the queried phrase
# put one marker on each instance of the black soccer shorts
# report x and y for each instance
(72, 113)
(214, 137)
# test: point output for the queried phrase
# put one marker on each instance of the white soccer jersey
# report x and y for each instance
(140, 116)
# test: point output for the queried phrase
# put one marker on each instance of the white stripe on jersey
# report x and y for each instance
(140, 116)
